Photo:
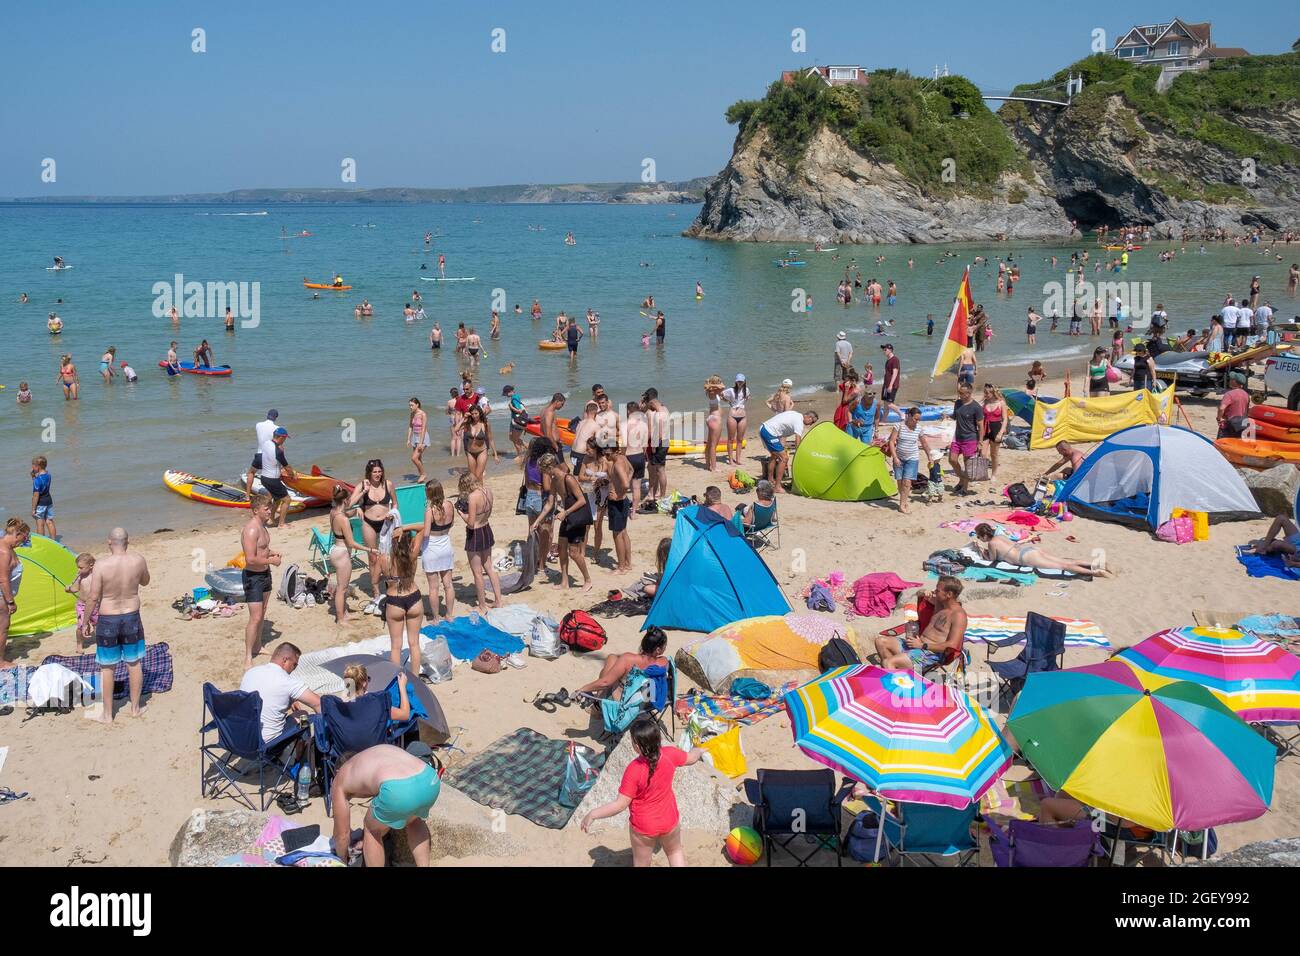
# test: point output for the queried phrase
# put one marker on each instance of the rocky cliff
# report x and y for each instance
(838, 195)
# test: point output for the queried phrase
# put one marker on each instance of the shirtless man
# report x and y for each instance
(583, 432)
(607, 424)
(638, 437)
(1071, 459)
(404, 789)
(619, 506)
(473, 347)
(173, 362)
(119, 636)
(256, 576)
(550, 429)
(659, 424)
(945, 632)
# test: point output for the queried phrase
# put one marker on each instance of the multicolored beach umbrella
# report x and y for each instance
(1257, 679)
(1158, 753)
(905, 737)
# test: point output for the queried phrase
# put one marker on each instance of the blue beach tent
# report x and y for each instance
(712, 577)
(1139, 475)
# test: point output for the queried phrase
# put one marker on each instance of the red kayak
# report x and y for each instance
(317, 485)
(1281, 417)
(192, 369)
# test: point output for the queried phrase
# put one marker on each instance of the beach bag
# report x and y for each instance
(436, 660)
(580, 774)
(293, 584)
(520, 508)
(1177, 530)
(978, 468)
(1200, 522)
(1020, 496)
(487, 662)
(863, 838)
(837, 653)
(582, 632)
(543, 641)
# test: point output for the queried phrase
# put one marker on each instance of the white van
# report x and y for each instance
(1282, 376)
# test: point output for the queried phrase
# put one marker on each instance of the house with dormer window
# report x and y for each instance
(844, 75)
(1176, 47)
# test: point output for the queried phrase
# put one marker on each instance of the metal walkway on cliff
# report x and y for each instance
(1054, 94)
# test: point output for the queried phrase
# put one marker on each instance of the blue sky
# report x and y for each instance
(413, 92)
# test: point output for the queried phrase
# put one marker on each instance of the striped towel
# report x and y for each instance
(742, 711)
(981, 628)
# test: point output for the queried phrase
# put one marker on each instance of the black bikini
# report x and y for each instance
(405, 601)
(376, 526)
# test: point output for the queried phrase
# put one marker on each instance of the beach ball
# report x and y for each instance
(1113, 375)
(744, 846)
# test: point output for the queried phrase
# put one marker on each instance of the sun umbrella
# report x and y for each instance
(1160, 754)
(903, 736)
(1257, 679)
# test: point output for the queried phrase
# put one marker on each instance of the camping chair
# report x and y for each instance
(236, 718)
(765, 525)
(1117, 833)
(637, 696)
(1044, 651)
(318, 552)
(1287, 746)
(343, 728)
(663, 695)
(951, 668)
(918, 832)
(1026, 843)
(799, 803)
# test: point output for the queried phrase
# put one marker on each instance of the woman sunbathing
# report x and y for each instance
(994, 547)
(617, 666)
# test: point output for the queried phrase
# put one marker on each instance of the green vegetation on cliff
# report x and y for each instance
(914, 124)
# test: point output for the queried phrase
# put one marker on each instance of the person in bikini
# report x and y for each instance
(376, 496)
(570, 503)
(945, 633)
(473, 347)
(403, 602)
(68, 378)
(995, 547)
(340, 556)
(1283, 538)
(477, 436)
(436, 558)
(417, 436)
(475, 506)
(617, 666)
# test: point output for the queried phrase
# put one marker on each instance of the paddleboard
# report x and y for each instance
(787, 265)
(220, 493)
(447, 278)
(57, 268)
(216, 371)
(826, 249)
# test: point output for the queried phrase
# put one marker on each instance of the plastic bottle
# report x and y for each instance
(519, 555)
(473, 618)
(303, 790)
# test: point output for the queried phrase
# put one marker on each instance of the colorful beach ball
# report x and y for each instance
(744, 846)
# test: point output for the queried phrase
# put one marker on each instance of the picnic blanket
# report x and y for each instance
(981, 628)
(736, 708)
(521, 774)
(466, 640)
(158, 673)
(1266, 565)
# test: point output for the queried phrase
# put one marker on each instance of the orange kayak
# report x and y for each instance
(548, 346)
(1258, 454)
(1276, 416)
(1267, 431)
(317, 485)
(323, 285)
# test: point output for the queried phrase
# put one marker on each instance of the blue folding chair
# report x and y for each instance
(1044, 651)
(236, 718)
(799, 806)
(663, 694)
(343, 728)
(918, 833)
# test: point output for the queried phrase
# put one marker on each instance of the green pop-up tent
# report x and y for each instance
(43, 604)
(834, 466)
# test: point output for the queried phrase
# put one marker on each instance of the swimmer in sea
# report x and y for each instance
(106, 363)
(68, 378)
(473, 346)
(22, 298)
(173, 365)
(494, 329)
(54, 324)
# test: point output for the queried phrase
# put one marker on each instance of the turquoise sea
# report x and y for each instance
(321, 367)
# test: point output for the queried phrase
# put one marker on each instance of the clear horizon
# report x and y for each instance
(122, 104)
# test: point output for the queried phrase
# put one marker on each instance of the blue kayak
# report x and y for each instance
(783, 264)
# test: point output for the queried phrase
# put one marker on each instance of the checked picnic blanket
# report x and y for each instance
(739, 709)
(158, 673)
(521, 773)
(981, 628)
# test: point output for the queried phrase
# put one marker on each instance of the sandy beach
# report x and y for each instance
(117, 796)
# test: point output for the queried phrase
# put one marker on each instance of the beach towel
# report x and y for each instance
(466, 640)
(1020, 577)
(967, 525)
(1021, 518)
(981, 628)
(876, 595)
(738, 709)
(1270, 625)
(1266, 565)
(521, 774)
(158, 673)
(820, 598)
(637, 606)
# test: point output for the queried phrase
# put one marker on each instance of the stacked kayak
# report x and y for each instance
(1258, 454)
(216, 371)
(210, 491)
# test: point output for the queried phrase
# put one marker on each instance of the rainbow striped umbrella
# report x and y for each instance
(1161, 754)
(1258, 680)
(903, 736)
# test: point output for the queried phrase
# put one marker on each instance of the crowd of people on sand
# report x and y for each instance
(599, 470)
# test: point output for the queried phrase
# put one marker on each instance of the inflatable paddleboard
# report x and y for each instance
(209, 491)
(824, 249)
(929, 413)
(57, 268)
(785, 265)
(447, 278)
(216, 371)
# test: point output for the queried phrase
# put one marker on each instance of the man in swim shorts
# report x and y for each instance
(659, 424)
(119, 636)
(256, 576)
(638, 437)
(403, 789)
(619, 504)
(944, 634)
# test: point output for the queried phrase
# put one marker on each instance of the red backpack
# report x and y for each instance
(582, 632)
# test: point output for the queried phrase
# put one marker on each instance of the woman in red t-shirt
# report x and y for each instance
(647, 793)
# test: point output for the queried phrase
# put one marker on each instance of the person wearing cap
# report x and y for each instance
(713, 389)
(893, 374)
(1144, 367)
(481, 400)
(781, 400)
(843, 356)
(273, 466)
(1234, 408)
(735, 397)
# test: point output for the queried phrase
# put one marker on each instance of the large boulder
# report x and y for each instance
(210, 835)
(1274, 488)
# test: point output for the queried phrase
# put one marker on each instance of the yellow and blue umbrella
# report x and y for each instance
(1161, 754)
(903, 736)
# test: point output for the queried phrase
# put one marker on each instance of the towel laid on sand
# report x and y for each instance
(736, 708)
(981, 628)
(520, 773)
(466, 640)
(1024, 519)
(876, 595)
(1266, 565)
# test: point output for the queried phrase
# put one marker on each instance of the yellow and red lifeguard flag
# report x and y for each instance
(954, 340)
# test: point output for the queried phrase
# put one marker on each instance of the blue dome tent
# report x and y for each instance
(712, 577)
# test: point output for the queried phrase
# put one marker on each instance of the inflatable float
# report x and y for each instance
(209, 491)
(216, 371)
(546, 345)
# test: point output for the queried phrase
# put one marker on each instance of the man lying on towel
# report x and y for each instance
(944, 632)
(404, 789)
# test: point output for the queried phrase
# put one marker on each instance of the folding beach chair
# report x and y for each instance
(318, 552)
(799, 805)
(663, 695)
(918, 833)
(949, 669)
(1117, 834)
(765, 525)
(1025, 843)
(1287, 744)
(343, 728)
(1044, 651)
(236, 718)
